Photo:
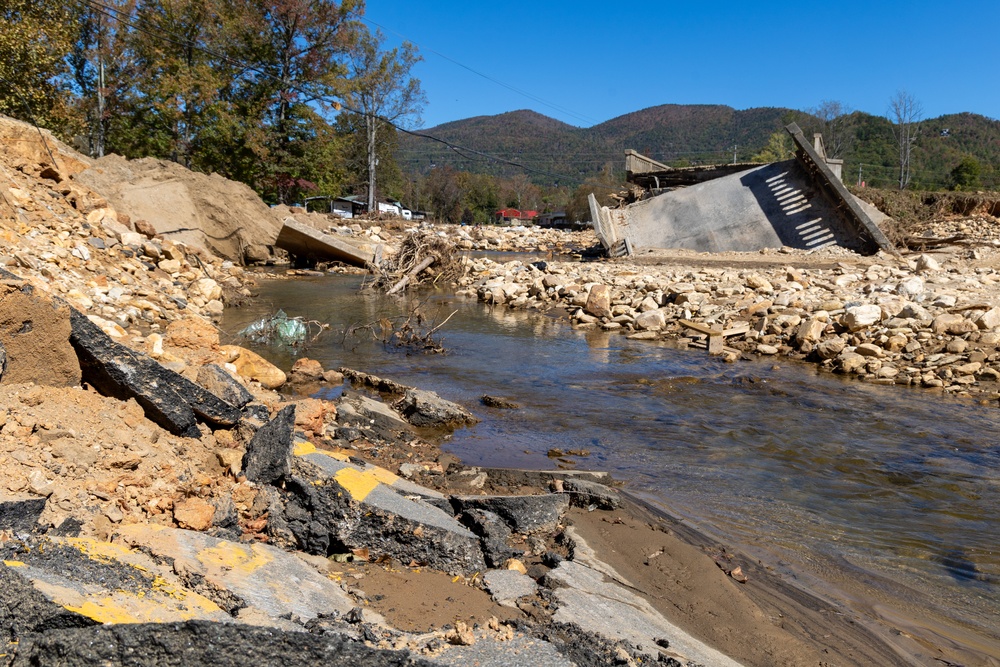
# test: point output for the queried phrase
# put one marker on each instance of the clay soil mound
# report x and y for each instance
(209, 211)
(916, 209)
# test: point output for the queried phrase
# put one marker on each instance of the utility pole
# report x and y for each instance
(859, 175)
(734, 153)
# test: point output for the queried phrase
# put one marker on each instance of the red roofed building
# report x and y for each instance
(515, 215)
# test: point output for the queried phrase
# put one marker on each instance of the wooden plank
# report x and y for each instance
(701, 328)
(737, 330)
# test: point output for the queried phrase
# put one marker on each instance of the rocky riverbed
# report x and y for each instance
(926, 320)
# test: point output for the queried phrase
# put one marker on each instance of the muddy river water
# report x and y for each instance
(887, 499)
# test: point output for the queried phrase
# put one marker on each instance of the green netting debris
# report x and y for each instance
(280, 329)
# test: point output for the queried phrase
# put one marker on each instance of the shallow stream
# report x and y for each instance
(864, 492)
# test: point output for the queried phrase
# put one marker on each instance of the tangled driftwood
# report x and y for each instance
(422, 259)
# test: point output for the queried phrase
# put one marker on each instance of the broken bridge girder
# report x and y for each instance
(834, 190)
(301, 240)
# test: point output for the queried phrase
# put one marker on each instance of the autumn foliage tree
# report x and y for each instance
(383, 93)
(35, 39)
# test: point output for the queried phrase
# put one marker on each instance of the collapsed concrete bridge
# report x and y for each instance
(799, 203)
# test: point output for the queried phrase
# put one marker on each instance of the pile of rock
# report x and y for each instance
(483, 238)
(918, 321)
(69, 241)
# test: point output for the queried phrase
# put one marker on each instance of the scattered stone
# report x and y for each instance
(192, 333)
(989, 319)
(252, 366)
(830, 348)
(193, 513)
(306, 370)
(850, 362)
(857, 318)
(927, 263)
(425, 408)
(585, 493)
(220, 382)
(599, 301)
(499, 403)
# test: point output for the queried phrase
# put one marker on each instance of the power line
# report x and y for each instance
(489, 78)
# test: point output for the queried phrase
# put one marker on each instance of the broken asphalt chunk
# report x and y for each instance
(493, 533)
(202, 643)
(585, 598)
(268, 457)
(506, 586)
(20, 514)
(524, 514)
(335, 504)
(168, 399)
(253, 575)
(97, 582)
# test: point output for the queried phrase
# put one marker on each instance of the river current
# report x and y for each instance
(864, 492)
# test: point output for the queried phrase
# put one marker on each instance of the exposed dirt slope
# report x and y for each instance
(209, 211)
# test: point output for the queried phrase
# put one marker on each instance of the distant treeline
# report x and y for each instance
(267, 92)
(557, 154)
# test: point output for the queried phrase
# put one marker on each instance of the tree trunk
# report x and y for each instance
(370, 126)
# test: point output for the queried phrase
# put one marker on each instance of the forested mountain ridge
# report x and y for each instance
(553, 152)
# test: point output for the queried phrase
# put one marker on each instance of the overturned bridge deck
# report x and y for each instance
(796, 203)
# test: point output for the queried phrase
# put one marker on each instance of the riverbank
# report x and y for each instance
(927, 320)
(159, 494)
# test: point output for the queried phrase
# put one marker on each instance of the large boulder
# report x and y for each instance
(252, 366)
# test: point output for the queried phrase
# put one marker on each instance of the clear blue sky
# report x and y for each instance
(586, 62)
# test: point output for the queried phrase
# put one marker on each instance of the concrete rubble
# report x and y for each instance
(799, 203)
(307, 243)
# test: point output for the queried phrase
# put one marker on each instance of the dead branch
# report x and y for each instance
(404, 281)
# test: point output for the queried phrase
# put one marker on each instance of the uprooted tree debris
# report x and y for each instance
(422, 259)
